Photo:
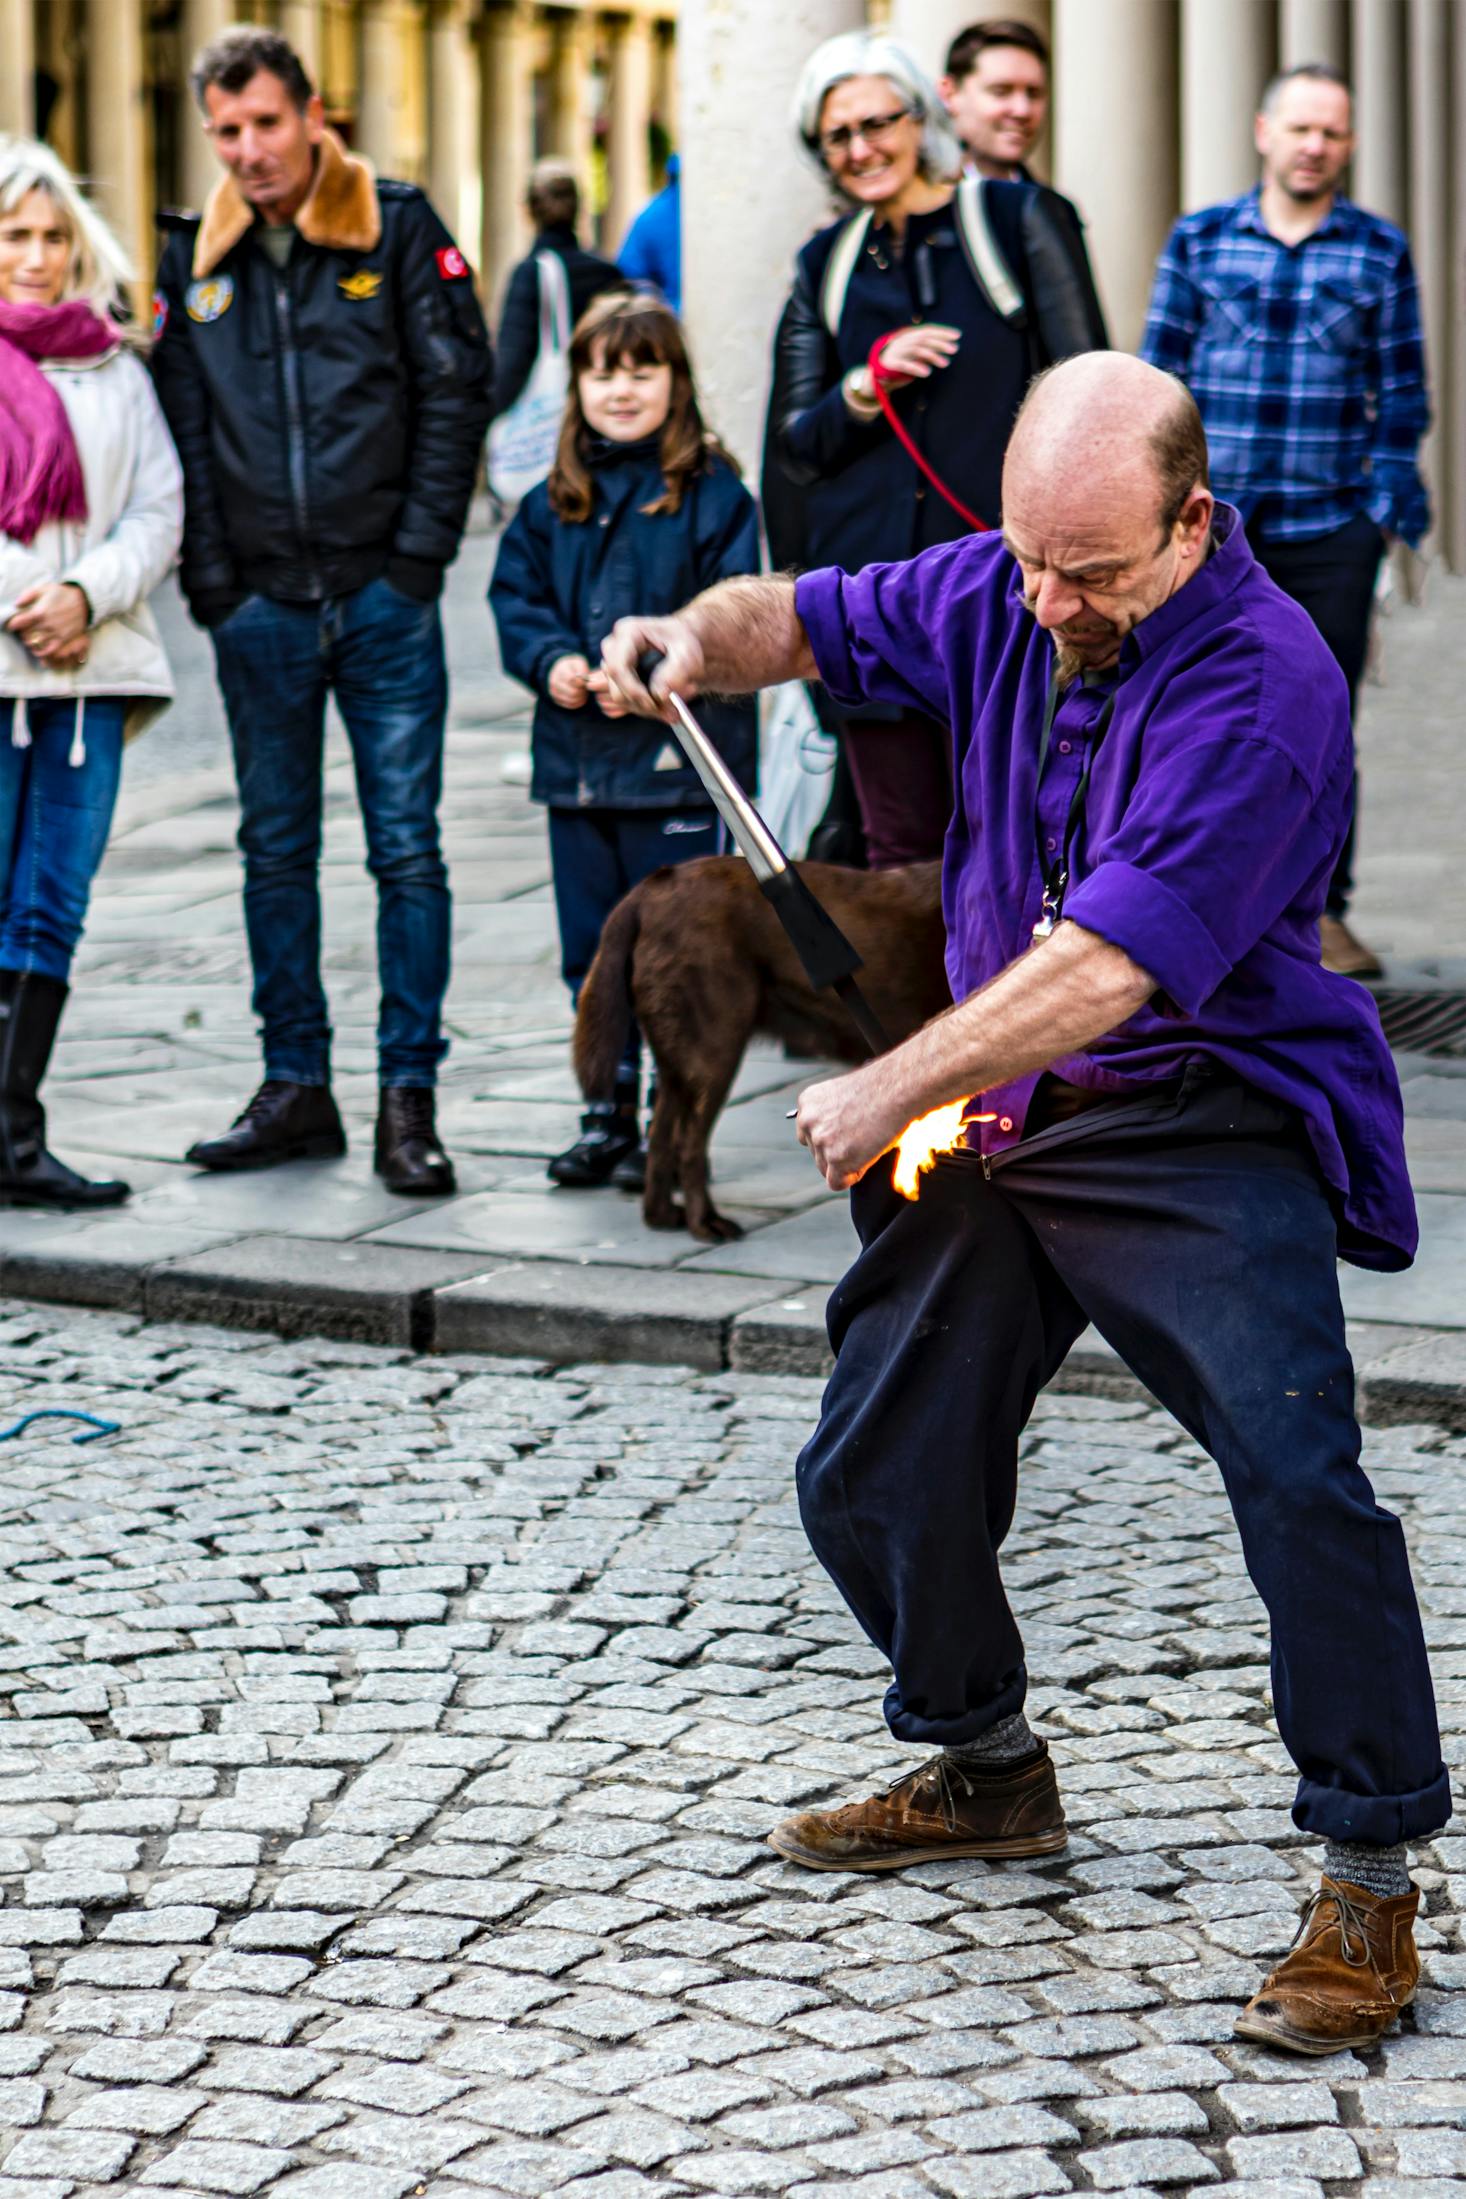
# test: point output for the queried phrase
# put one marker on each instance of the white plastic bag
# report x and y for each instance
(796, 762)
(522, 440)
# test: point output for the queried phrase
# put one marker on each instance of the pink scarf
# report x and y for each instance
(40, 472)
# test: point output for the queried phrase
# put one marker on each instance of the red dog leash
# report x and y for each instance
(897, 426)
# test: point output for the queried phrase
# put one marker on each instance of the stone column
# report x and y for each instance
(1116, 141)
(1378, 180)
(300, 22)
(389, 109)
(198, 170)
(505, 138)
(1430, 220)
(749, 196)
(116, 133)
(571, 124)
(631, 102)
(1313, 30)
(18, 78)
(453, 174)
(1227, 56)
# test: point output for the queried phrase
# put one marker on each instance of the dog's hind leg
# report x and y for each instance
(659, 1208)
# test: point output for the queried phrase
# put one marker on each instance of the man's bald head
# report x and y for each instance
(1103, 426)
(1105, 499)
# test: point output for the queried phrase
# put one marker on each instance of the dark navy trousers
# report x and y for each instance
(1195, 1234)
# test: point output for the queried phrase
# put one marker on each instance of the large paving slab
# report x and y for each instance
(387, 1748)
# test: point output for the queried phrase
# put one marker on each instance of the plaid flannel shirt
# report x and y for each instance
(1307, 362)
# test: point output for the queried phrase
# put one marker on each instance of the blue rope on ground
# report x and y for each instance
(99, 1428)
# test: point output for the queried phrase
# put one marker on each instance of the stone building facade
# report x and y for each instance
(458, 95)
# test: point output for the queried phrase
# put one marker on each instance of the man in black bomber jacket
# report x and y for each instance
(325, 370)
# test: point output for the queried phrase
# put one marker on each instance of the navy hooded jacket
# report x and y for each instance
(559, 587)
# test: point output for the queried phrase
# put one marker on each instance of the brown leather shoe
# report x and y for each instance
(1351, 1969)
(939, 1810)
(1342, 953)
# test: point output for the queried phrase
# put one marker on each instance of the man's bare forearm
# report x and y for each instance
(750, 635)
(1055, 1000)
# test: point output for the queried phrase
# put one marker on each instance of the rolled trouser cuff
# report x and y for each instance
(1333, 1813)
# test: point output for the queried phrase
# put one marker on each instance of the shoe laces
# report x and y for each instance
(414, 1108)
(942, 1775)
(262, 1104)
(1350, 1920)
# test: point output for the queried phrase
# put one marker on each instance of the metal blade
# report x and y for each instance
(751, 835)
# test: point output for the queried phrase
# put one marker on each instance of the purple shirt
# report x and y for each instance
(1217, 804)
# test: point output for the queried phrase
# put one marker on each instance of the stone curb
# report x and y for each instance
(562, 1312)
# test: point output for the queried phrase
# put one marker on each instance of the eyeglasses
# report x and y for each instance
(873, 130)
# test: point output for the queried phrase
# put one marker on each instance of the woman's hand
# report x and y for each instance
(913, 354)
(50, 618)
(567, 682)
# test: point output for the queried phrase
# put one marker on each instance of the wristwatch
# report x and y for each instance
(860, 393)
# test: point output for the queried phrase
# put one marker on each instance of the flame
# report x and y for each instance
(921, 1141)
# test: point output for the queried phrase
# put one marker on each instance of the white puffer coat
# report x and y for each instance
(118, 553)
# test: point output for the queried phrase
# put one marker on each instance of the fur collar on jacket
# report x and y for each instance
(341, 212)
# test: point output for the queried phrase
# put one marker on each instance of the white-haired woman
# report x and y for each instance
(91, 510)
(969, 294)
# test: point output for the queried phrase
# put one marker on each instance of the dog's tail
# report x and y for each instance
(603, 1019)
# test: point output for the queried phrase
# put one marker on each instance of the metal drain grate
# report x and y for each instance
(1424, 1023)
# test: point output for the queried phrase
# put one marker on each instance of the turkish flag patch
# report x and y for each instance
(452, 266)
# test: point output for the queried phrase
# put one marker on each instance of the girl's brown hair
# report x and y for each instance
(631, 329)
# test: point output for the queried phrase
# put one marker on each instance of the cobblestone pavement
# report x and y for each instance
(389, 1748)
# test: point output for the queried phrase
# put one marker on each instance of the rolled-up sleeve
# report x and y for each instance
(893, 633)
(1220, 837)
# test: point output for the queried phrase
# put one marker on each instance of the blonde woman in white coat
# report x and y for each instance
(91, 511)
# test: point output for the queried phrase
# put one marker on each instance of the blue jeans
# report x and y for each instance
(54, 820)
(381, 655)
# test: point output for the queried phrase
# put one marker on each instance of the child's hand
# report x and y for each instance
(567, 682)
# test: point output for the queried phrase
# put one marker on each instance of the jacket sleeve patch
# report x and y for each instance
(160, 314)
(452, 266)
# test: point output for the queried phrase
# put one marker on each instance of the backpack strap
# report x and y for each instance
(840, 266)
(990, 270)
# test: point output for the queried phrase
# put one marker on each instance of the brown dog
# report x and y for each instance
(697, 955)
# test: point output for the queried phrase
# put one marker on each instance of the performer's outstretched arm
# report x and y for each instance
(1055, 1000)
(739, 636)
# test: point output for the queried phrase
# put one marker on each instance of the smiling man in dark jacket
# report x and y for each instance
(325, 370)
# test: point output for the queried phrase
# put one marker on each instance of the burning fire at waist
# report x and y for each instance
(922, 1141)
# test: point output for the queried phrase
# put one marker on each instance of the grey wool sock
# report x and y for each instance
(1003, 1743)
(1381, 1871)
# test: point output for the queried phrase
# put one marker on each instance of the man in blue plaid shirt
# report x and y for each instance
(1293, 317)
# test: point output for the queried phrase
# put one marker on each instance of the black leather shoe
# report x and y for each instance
(607, 1138)
(409, 1157)
(30, 1012)
(283, 1122)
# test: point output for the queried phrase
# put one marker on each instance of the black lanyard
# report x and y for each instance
(1055, 873)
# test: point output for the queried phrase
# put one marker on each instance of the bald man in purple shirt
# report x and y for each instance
(1186, 1121)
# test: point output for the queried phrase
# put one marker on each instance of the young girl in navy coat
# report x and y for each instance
(642, 509)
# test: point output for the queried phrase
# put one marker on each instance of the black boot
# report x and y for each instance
(630, 1174)
(607, 1137)
(410, 1158)
(30, 1010)
(283, 1122)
